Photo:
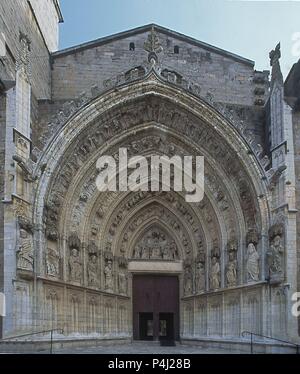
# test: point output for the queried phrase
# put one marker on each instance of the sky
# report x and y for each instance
(248, 28)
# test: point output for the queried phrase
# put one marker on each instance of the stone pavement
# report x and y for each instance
(143, 348)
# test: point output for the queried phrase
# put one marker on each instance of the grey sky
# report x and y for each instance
(248, 28)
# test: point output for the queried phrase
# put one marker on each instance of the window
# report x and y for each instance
(176, 49)
(131, 47)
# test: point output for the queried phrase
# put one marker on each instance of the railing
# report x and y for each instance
(252, 342)
(36, 333)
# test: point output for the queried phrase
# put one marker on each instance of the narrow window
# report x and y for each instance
(176, 49)
(131, 47)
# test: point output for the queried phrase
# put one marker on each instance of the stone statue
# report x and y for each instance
(156, 252)
(200, 277)
(167, 252)
(275, 255)
(75, 266)
(108, 274)
(137, 253)
(156, 245)
(52, 262)
(231, 270)
(92, 270)
(122, 281)
(188, 281)
(252, 264)
(25, 258)
(215, 273)
(145, 253)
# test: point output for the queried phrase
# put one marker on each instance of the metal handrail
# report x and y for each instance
(297, 346)
(37, 333)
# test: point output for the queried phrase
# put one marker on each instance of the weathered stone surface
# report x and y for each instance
(234, 252)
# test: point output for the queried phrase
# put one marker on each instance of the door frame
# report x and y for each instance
(176, 324)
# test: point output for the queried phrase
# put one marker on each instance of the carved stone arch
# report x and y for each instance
(145, 201)
(219, 215)
(159, 89)
(193, 120)
(169, 210)
(148, 225)
(76, 183)
(175, 218)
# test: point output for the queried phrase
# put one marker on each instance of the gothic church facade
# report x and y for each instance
(147, 265)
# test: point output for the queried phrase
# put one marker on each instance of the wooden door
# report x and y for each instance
(157, 296)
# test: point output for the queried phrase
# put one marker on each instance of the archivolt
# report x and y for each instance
(140, 107)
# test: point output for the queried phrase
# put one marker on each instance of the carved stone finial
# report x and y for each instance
(275, 55)
(23, 58)
(153, 46)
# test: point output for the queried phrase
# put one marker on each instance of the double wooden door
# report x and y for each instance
(155, 307)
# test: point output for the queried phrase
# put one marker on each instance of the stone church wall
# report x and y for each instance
(296, 124)
(18, 16)
(228, 80)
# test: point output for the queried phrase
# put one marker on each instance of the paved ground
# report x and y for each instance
(142, 348)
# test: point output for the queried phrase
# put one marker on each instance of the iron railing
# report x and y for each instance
(36, 333)
(252, 341)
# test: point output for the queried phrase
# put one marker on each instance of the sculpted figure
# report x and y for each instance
(92, 270)
(145, 253)
(108, 274)
(25, 258)
(231, 271)
(200, 277)
(137, 253)
(188, 281)
(252, 263)
(52, 262)
(276, 256)
(215, 273)
(167, 252)
(122, 280)
(75, 266)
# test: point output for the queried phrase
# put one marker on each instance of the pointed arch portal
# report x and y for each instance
(96, 250)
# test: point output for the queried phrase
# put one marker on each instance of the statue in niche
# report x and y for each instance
(25, 258)
(92, 270)
(200, 277)
(145, 253)
(156, 252)
(52, 262)
(174, 251)
(75, 266)
(215, 273)
(108, 274)
(275, 256)
(188, 281)
(252, 263)
(167, 252)
(156, 245)
(231, 270)
(137, 252)
(122, 280)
